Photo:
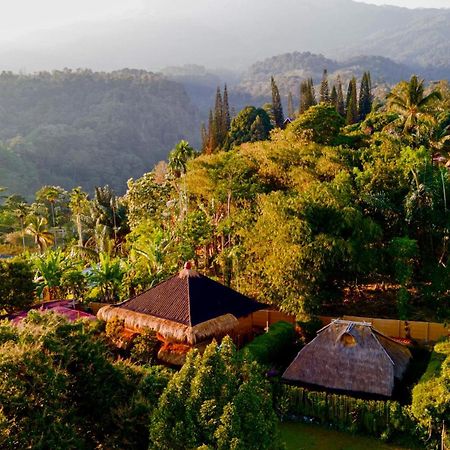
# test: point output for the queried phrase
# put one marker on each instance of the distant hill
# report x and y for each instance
(290, 69)
(85, 128)
(234, 33)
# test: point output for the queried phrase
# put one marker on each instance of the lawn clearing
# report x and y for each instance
(300, 436)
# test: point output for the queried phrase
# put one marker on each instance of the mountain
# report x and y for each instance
(290, 69)
(87, 128)
(232, 33)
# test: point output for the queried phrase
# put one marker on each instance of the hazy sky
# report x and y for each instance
(411, 3)
(20, 17)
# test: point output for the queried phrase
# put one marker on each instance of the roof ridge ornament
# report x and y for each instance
(187, 271)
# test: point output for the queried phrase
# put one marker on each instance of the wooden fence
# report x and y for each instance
(419, 331)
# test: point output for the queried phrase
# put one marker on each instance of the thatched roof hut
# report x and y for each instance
(350, 356)
(187, 308)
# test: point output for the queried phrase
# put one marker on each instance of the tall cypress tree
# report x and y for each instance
(340, 105)
(334, 97)
(212, 135)
(311, 93)
(307, 95)
(291, 112)
(226, 119)
(302, 100)
(324, 90)
(352, 102)
(204, 138)
(276, 105)
(218, 118)
(365, 96)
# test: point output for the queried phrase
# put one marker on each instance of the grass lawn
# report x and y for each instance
(300, 436)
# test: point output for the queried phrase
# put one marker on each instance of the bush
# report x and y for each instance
(145, 347)
(16, 285)
(320, 123)
(59, 389)
(271, 347)
(216, 401)
(373, 417)
(431, 396)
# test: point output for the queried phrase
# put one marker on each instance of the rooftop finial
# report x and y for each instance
(187, 271)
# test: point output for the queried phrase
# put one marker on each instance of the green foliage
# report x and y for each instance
(250, 125)
(145, 348)
(276, 105)
(431, 396)
(54, 133)
(402, 252)
(270, 347)
(16, 284)
(215, 401)
(59, 389)
(382, 419)
(320, 123)
(107, 275)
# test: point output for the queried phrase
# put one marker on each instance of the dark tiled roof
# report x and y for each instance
(191, 300)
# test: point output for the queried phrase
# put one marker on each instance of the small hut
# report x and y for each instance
(352, 357)
(187, 310)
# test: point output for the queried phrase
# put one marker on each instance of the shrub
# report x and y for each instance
(320, 123)
(431, 396)
(373, 417)
(215, 401)
(59, 389)
(145, 347)
(16, 285)
(272, 346)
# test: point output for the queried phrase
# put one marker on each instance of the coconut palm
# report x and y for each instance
(37, 228)
(51, 194)
(78, 205)
(408, 99)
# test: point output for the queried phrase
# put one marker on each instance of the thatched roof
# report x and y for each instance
(190, 299)
(350, 356)
(170, 330)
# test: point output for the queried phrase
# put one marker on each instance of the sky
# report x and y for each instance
(411, 3)
(20, 17)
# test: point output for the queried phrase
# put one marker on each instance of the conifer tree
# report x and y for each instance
(311, 93)
(365, 96)
(340, 105)
(291, 112)
(226, 118)
(324, 89)
(302, 97)
(212, 140)
(276, 105)
(204, 138)
(218, 118)
(334, 97)
(307, 95)
(352, 102)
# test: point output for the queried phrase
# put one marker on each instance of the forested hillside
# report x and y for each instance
(292, 68)
(72, 128)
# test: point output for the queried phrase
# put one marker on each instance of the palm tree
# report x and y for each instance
(51, 194)
(78, 203)
(179, 157)
(107, 275)
(37, 228)
(408, 99)
(50, 269)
